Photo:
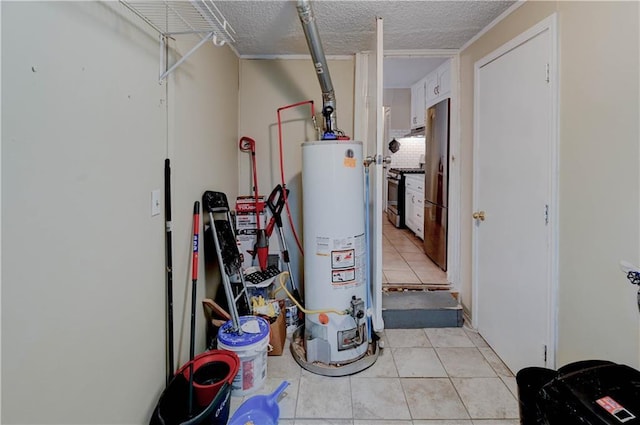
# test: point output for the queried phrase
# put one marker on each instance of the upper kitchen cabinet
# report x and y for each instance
(428, 91)
(418, 103)
(438, 85)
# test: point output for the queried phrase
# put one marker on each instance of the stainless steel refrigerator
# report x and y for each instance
(436, 196)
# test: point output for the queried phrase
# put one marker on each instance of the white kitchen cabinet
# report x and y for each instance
(428, 91)
(414, 204)
(439, 84)
(418, 104)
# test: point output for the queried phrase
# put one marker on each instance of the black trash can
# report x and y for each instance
(591, 392)
(530, 381)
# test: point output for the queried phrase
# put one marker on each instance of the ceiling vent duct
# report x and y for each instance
(308, 20)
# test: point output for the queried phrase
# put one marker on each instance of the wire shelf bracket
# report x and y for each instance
(175, 18)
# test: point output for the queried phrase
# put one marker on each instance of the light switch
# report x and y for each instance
(155, 202)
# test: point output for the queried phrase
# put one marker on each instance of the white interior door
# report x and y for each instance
(368, 127)
(513, 181)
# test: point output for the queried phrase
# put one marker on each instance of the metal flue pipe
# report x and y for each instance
(308, 20)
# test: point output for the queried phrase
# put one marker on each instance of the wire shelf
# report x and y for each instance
(172, 18)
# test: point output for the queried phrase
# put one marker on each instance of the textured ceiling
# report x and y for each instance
(266, 28)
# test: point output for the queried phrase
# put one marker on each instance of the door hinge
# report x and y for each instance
(545, 355)
(547, 73)
(546, 214)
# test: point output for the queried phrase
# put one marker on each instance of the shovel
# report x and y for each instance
(259, 409)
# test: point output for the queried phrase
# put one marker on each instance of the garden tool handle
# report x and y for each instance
(276, 205)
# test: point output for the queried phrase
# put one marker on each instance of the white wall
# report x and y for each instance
(599, 199)
(85, 131)
(399, 102)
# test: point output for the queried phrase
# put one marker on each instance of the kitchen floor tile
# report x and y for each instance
(384, 367)
(324, 397)
(510, 382)
(397, 238)
(407, 338)
(283, 366)
(445, 422)
(378, 398)
(405, 247)
(401, 276)
(486, 398)
(418, 363)
(393, 261)
(323, 422)
(287, 401)
(464, 362)
(404, 242)
(434, 398)
(431, 276)
(477, 339)
(414, 256)
(495, 362)
(448, 337)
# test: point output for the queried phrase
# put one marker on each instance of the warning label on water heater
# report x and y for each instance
(343, 259)
(322, 246)
(343, 276)
(347, 260)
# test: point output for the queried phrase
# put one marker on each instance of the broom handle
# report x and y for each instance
(169, 260)
(194, 281)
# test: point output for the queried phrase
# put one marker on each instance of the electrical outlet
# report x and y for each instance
(155, 202)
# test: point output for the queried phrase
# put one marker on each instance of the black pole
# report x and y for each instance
(194, 281)
(169, 264)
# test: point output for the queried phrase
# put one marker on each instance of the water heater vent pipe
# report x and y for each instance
(308, 20)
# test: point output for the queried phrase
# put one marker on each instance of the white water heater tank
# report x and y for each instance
(334, 251)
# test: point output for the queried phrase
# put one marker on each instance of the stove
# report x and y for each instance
(395, 193)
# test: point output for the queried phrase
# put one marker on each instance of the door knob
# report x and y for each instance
(478, 215)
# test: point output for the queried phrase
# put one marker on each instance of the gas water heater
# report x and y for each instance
(335, 340)
(334, 251)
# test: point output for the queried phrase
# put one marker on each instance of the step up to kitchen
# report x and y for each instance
(421, 309)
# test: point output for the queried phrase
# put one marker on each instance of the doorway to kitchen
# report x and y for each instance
(404, 263)
(410, 88)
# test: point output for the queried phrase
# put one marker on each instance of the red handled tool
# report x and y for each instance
(276, 203)
(247, 144)
(194, 282)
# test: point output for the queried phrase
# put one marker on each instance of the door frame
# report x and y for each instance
(368, 106)
(547, 24)
(453, 235)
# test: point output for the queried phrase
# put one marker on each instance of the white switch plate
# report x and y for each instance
(155, 202)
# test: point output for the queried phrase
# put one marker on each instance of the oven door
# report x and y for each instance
(393, 201)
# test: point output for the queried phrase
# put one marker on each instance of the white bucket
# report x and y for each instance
(251, 348)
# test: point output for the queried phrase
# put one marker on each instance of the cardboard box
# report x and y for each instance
(247, 204)
(278, 335)
(246, 222)
(245, 245)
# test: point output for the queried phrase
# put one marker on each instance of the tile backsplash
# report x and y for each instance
(411, 148)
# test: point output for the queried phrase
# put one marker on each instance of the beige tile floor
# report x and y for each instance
(443, 376)
(404, 261)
